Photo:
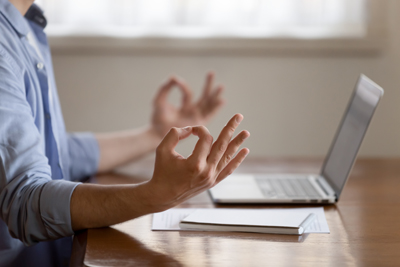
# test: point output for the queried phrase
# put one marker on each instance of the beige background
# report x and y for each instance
(292, 103)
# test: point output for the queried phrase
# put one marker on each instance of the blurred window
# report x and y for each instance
(304, 19)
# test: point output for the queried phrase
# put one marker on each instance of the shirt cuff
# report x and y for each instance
(55, 211)
(84, 154)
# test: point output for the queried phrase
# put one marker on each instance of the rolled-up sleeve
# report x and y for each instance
(34, 207)
(84, 155)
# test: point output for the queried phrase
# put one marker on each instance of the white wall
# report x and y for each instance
(292, 104)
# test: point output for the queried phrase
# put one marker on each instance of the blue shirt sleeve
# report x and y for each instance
(84, 155)
(34, 207)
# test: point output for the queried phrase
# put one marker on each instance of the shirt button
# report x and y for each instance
(40, 65)
(48, 116)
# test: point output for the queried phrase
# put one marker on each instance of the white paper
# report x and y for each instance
(250, 217)
(169, 220)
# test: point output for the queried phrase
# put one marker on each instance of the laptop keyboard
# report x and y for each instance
(287, 187)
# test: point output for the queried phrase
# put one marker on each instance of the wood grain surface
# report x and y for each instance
(364, 227)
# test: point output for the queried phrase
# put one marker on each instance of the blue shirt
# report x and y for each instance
(39, 162)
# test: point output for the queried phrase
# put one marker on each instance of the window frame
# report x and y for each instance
(374, 41)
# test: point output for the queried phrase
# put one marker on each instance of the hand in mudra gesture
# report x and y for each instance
(190, 113)
(177, 178)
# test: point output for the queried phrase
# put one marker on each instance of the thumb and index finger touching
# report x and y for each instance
(207, 95)
(204, 149)
(162, 95)
(173, 137)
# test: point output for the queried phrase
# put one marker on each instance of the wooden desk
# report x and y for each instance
(364, 228)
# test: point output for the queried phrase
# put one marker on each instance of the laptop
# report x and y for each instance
(303, 188)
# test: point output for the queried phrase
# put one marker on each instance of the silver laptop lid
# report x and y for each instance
(350, 134)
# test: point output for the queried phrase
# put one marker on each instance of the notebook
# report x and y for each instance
(248, 220)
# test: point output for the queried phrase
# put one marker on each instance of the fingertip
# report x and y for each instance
(181, 133)
(240, 114)
(185, 132)
(245, 134)
(220, 89)
(201, 131)
(195, 131)
(239, 118)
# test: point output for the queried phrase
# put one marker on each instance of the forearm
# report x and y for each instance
(94, 206)
(120, 148)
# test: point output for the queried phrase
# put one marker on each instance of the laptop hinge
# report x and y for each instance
(325, 186)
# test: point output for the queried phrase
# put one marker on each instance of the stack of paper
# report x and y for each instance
(284, 221)
(248, 220)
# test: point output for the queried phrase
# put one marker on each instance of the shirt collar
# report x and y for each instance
(17, 21)
(14, 17)
(35, 14)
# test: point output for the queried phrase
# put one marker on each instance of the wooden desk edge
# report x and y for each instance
(79, 249)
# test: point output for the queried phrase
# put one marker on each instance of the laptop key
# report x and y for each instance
(284, 187)
(276, 185)
(289, 189)
(300, 191)
(309, 188)
(266, 188)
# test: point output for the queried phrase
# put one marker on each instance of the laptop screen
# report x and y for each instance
(350, 134)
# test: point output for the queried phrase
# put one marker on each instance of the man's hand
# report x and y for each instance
(165, 116)
(177, 179)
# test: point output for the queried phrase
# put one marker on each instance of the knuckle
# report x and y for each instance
(203, 177)
(208, 175)
(209, 138)
(207, 179)
(221, 147)
(210, 183)
(203, 128)
(230, 129)
(213, 161)
(228, 158)
(196, 168)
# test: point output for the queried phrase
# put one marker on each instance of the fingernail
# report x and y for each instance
(187, 128)
(239, 119)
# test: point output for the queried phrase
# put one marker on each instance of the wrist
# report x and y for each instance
(149, 200)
